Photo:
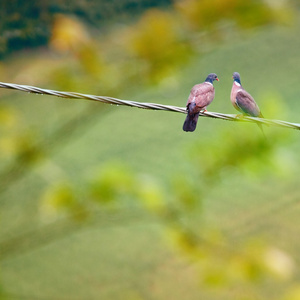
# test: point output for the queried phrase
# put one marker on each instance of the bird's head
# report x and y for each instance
(236, 77)
(211, 77)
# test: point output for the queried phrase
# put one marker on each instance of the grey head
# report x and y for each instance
(236, 77)
(211, 78)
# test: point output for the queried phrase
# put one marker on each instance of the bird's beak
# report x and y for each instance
(217, 79)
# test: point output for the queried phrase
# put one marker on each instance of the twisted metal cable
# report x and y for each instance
(151, 106)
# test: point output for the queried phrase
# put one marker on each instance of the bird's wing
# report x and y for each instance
(204, 94)
(247, 104)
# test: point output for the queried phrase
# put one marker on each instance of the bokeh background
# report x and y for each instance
(107, 202)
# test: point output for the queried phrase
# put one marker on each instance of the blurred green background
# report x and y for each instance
(107, 202)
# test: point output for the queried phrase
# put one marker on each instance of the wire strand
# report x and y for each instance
(145, 105)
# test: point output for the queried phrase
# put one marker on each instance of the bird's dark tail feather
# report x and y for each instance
(190, 122)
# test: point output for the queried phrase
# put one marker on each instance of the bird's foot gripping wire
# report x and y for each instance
(239, 116)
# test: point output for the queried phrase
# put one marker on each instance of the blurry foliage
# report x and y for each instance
(7, 117)
(148, 50)
(111, 184)
(90, 63)
(293, 293)
(68, 34)
(152, 196)
(26, 150)
(207, 14)
(187, 194)
(144, 52)
(70, 37)
(60, 200)
(16, 143)
(178, 206)
(243, 151)
(29, 23)
(113, 187)
(248, 151)
(157, 40)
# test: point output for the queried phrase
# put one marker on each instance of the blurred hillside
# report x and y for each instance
(107, 202)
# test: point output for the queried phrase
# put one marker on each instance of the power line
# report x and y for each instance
(144, 105)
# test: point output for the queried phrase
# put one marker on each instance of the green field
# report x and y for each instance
(124, 251)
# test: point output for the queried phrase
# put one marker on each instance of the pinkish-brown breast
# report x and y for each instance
(202, 94)
(235, 88)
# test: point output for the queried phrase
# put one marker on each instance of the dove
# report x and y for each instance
(200, 97)
(243, 101)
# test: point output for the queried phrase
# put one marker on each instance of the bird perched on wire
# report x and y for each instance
(200, 97)
(242, 100)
